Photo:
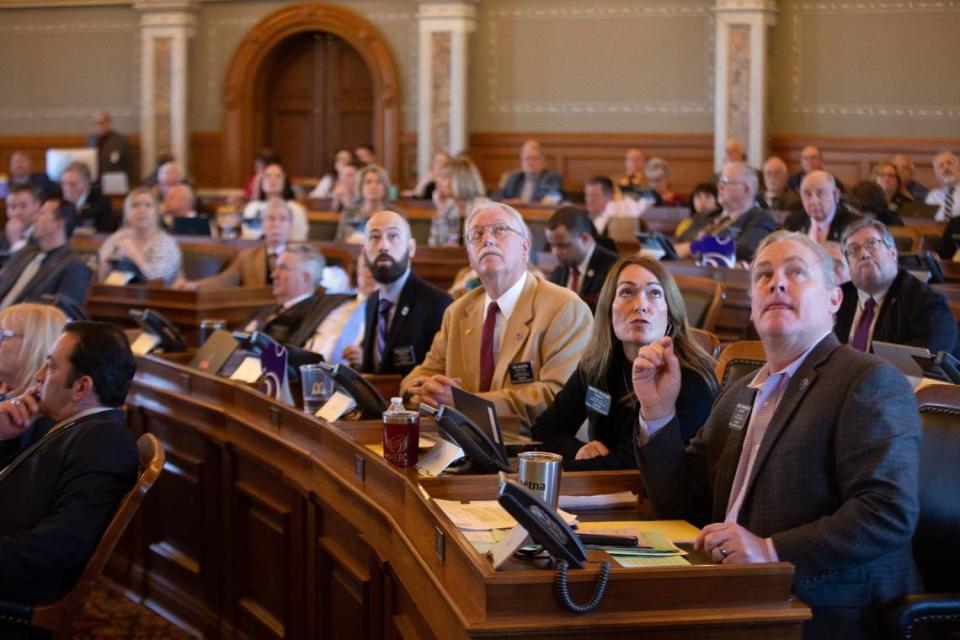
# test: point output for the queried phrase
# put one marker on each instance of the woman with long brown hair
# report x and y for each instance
(639, 303)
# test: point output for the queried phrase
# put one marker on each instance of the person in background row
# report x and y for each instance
(22, 173)
(23, 205)
(533, 183)
(777, 196)
(640, 304)
(403, 314)
(583, 264)
(633, 180)
(810, 160)
(841, 270)
(113, 151)
(170, 174)
(339, 337)
(27, 331)
(426, 185)
(47, 265)
(373, 188)
(324, 188)
(704, 209)
(884, 302)
(141, 241)
(824, 216)
(886, 176)
(366, 154)
(261, 160)
(94, 211)
(526, 334)
(345, 190)
(868, 199)
(947, 196)
(746, 477)
(274, 184)
(150, 180)
(253, 266)
(602, 207)
(905, 170)
(459, 187)
(658, 177)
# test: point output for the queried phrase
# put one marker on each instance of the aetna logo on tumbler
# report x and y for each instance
(534, 486)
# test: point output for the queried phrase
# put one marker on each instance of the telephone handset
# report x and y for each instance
(477, 446)
(543, 524)
(171, 340)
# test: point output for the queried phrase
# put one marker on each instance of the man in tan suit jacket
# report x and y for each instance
(539, 329)
(252, 266)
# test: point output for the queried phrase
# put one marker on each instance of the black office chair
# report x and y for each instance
(936, 543)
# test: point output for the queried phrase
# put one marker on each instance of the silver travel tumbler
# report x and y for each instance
(540, 473)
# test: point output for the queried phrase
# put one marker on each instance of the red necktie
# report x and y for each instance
(863, 328)
(575, 279)
(486, 347)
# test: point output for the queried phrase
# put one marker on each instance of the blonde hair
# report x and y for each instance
(39, 325)
(141, 191)
(465, 181)
(604, 344)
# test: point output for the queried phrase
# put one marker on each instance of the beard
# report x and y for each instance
(390, 270)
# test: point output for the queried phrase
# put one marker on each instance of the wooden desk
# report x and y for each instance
(269, 523)
(185, 309)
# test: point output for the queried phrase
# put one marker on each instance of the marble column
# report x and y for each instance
(741, 75)
(442, 90)
(166, 27)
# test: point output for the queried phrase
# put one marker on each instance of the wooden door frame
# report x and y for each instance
(244, 78)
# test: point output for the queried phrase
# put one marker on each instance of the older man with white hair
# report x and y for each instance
(516, 339)
(947, 195)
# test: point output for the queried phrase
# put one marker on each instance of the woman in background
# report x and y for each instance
(274, 184)
(141, 241)
(27, 331)
(325, 187)
(458, 188)
(639, 304)
(373, 187)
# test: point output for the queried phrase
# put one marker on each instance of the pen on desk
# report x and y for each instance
(601, 540)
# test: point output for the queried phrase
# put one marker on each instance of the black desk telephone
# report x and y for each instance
(171, 340)
(485, 456)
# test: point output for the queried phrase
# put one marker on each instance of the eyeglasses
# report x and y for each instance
(498, 230)
(870, 244)
(6, 334)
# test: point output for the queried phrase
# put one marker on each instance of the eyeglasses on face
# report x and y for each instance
(854, 250)
(498, 230)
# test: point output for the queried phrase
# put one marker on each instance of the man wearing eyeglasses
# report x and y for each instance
(516, 339)
(884, 302)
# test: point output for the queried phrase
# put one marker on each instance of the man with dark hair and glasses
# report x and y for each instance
(58, 492)
(884, 302)
(514, 340)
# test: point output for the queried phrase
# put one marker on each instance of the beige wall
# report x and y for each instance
(628, 66)
(866, 69)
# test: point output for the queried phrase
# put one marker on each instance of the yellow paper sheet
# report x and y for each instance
(676, 530)
(640, 562)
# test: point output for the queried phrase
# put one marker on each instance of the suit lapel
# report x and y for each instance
(730, 456)
(46, 270)
(401, 313)
(470, 333)
(516, 330)
(260, 265)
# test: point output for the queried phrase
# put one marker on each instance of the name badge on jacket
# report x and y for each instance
(741, 413)
(520, 372)
(598, 401)
(404, 356)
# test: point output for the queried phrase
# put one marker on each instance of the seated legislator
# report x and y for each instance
(299, 310)
(739, 218)
(372, 190)
(533, 183)
(704, 209)
(141, 240)
(403, 314)
(823, 217)
(458, 188)
(866, 198)
(946, 167)
(274, 184)
(339, 337)
(23, 205)
(583, 263)
(640, 303)
(94, 211)
(905, 171)
(894, 191)
(50, 265)
(58, 495)
(810, 160)
(601, 206)
(633, 179)
(884, 302)
(777, 196)
(22, 173)
(253, 266)
(813, 460)
(516, 339)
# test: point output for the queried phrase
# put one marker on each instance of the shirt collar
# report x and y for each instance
(508, 301)
(294, 301)
(392, 291)
(863, 296)
(585, 264)
(760, 379)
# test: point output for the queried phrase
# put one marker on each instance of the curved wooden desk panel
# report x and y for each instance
(270, 523)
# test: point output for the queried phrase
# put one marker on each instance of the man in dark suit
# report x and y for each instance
(21, 173)
(823, 216)
(405, 311)
(583, 263)
(113, 150)
(58, 493)
(50, 265)
(813, 460)
(299, 310)
(884, 302)
(533, 183)
(776, 195)
(94, 211)
(810, 161)
(23, 206)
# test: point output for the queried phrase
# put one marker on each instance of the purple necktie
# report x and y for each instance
(863, 328)
(383, 311)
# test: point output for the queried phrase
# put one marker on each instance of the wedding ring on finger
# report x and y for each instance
(724, 552)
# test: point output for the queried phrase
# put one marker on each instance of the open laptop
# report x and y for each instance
(483, 413)
(902, 357)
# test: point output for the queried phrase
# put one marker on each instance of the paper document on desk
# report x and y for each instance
(599, 501)
(676, 531)
(483, 515)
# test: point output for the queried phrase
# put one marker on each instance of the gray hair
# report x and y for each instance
(868, 223)
(310, 260)
(384, 178)
(655, 167)
(824, 258)
(484, 205)
(744, 172)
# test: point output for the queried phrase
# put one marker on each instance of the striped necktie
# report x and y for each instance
(383, 313)
(948, 201)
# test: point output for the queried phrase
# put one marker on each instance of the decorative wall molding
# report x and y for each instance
(872, 109)
(650, 107)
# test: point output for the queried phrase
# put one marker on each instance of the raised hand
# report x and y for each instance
(656, 379)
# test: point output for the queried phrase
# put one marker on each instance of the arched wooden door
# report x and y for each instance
(317, 98)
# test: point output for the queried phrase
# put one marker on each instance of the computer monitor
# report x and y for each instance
(60, 159)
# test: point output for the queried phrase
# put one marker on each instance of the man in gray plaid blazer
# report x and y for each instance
(813, 460)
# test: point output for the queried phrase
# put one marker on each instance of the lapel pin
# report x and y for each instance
(468, 331)
(405, 310)
(804, 384)
(590, 273)
(519, 336)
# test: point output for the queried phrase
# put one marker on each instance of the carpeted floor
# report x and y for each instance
(111, 615)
